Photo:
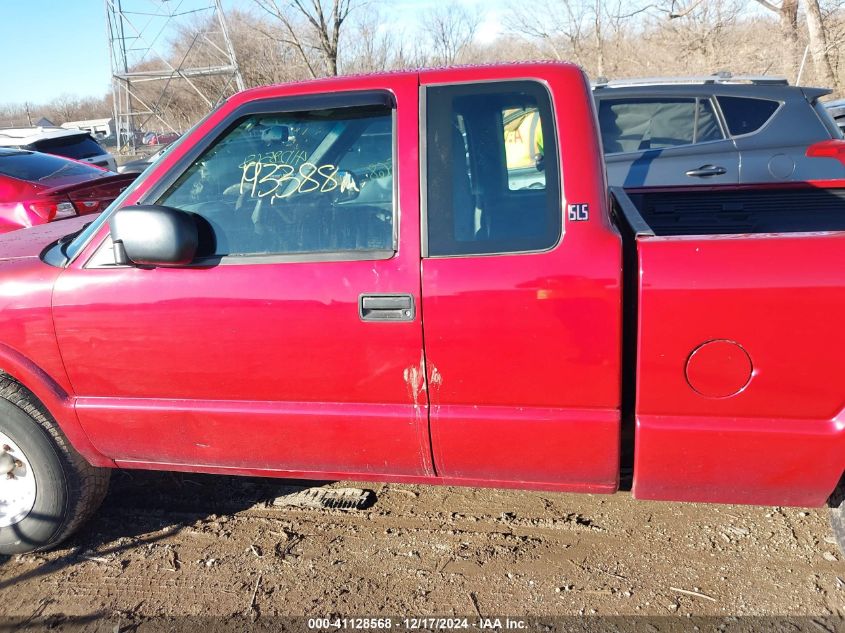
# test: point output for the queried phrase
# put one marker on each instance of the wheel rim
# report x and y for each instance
(17, 483)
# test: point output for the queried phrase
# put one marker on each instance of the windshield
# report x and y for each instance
(72, 249)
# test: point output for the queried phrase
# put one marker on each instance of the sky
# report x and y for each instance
(56, 47)
(60, 47)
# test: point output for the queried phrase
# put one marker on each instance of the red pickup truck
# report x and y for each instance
(422, 277)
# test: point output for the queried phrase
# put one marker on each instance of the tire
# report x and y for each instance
(837, 516)
(48, 474)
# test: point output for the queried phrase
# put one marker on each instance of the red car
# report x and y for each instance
(36, 188)
(160, 138)
(164, 138)
(422, 277)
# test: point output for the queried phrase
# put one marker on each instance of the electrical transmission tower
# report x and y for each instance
(164, 53)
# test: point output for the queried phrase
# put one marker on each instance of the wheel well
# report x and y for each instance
(59, 408)
(837, 496)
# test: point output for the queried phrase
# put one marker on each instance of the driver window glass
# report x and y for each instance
(293, 183)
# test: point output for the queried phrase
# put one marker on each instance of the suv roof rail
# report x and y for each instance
(721, 77)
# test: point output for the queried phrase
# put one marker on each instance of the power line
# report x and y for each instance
(144, 62)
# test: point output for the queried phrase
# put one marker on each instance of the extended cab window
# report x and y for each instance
(308, 182)
(744, 115)
(634, 125)
(491, 168)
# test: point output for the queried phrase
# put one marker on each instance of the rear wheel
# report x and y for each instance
(47, 489)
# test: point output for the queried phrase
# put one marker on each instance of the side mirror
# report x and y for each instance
(153, 235)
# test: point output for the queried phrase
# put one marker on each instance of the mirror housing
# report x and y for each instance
(154, 235)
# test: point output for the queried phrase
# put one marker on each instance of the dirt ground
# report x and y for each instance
(167, 546)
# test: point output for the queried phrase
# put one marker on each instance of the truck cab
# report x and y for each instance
(422, 277)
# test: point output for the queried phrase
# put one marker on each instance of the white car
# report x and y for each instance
(76, 144)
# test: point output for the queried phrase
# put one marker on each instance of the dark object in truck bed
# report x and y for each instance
(792, 208)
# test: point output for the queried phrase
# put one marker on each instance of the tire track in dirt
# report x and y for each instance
(168, 545)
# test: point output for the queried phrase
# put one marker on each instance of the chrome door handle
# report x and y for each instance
(707, 170)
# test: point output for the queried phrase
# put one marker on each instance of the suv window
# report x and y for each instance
(638, 124)
(77, 146)
(744, 115)
(43, 168)
(309, 182)
(491, 168)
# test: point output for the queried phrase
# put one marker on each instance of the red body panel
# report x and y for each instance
(256, 366)
(522, 351)
(368, 476)
(28, 349)
(781, 438)
(29, 244)
(286, 347)
(523, 366)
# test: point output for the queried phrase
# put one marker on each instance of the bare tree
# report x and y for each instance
(611, 25)
(703, 34)
(65, 107)
(410, 53)
(818, 43)
(833, 20)
(322, 21)
(787, 12)
(586, 31)
(293, 39)
(451, 29)
(552, 24)
(262, 59)
(370, 47)
(13, 115)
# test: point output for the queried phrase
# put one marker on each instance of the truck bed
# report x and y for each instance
(734, 340)
(729, 210)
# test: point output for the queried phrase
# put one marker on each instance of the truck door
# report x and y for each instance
(294, 343)
(522, 312)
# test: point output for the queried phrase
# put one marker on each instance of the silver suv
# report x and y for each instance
(717, 129)
(76, 144)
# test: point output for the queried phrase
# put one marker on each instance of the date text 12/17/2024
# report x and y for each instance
(418, 623)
